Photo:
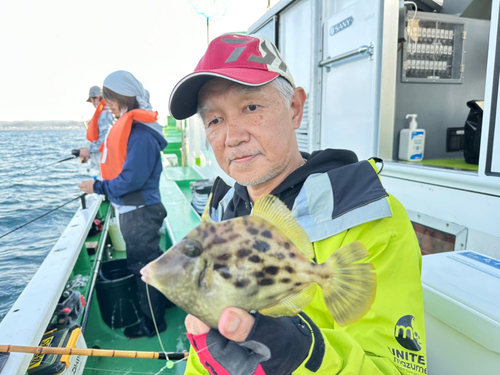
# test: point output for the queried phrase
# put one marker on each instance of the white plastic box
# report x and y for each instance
(462, 313)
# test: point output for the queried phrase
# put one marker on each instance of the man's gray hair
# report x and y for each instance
(285, 88)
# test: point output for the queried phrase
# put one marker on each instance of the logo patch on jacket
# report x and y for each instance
(408, 361)
(404, 333)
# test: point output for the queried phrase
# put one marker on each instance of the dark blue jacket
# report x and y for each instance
(139, 181)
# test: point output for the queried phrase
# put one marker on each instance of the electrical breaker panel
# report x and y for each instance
(434, 48)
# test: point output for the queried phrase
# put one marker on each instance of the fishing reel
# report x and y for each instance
(69, 308)
(75, 152)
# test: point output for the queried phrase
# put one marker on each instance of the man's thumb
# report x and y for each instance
(235, 324)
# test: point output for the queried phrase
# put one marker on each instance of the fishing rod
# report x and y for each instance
(75, 153)
(85, 122)
(94, 352)
(81, 197)
(97, 266)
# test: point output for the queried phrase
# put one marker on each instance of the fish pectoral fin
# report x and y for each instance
(271, 209)
(205, 217)
(291, 305)
(352, 288)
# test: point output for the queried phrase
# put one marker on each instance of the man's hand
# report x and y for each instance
(84, 154)
(87, 186)
(251, 343)
(234, 324)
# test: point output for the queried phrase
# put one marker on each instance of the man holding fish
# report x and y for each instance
(274, 291)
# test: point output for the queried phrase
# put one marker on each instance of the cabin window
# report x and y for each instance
(441, 77)
(433, 241)
(436, 235)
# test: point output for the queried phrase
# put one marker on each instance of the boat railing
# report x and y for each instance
(30, 315)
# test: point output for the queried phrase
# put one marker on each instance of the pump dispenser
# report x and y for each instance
(412, 141)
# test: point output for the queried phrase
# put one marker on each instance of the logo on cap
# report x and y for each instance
(268, 59)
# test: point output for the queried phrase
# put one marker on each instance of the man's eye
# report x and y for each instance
(215, 121)
(252, 107)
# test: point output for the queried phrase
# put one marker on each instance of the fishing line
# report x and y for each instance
(154, 321)
(43, 166)
(45, 214)
(159, 338)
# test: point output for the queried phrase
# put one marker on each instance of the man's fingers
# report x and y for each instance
(195, 326)
(235, 324)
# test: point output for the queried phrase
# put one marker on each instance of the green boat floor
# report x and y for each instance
(181, 219)
(100, 335)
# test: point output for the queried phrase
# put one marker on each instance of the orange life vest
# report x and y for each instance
(93, 128)
(114, 148)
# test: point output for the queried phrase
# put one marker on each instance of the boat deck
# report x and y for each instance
(100, 335)
(181, 218)
(73, 265)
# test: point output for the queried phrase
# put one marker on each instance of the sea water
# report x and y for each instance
(23, 198)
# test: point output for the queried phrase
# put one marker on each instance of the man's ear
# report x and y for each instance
(297, 106)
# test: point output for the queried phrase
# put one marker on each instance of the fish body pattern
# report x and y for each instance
(260, 263)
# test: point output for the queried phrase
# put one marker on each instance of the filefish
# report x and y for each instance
(261, 262)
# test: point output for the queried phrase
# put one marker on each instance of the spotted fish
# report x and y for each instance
(260, 263)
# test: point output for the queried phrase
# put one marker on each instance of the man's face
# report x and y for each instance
(250, 130)
(95, 100)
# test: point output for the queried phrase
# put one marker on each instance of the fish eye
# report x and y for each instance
(192, 248)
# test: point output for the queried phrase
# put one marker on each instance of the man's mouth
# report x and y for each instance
(242, 158)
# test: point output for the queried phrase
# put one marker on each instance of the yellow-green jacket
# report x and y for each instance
(390, 338)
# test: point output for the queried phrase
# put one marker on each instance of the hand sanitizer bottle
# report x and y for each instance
(412, 141)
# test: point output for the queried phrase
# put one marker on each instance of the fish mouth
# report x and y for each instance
(202, 274)
(145, 276)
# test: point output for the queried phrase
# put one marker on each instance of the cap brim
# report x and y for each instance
(184, 97)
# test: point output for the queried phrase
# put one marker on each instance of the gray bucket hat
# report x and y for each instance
(94, 91)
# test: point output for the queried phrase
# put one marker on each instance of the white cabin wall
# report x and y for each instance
(356, 108)
(480, 213)
(350, 88)
(296, 47)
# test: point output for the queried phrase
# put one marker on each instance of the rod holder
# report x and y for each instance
(84, 201)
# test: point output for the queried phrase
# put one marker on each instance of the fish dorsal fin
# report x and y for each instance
(205, 217)
(274, 211)
(291, 305)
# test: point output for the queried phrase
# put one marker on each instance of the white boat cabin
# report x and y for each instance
(367, 64)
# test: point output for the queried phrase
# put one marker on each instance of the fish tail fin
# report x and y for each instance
(352, 287)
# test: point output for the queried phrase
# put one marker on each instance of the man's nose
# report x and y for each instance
(236, 133)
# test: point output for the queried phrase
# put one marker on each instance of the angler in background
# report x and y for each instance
(250, 107)
(98, 127)
(131, 168)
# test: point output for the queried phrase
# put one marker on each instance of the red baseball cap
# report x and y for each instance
(250, 60)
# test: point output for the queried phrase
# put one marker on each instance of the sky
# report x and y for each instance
(53, 51)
